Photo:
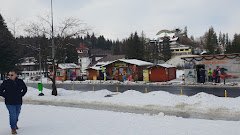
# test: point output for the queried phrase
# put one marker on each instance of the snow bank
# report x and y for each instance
(201, 102)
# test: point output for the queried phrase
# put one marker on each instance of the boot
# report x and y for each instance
(14, 132)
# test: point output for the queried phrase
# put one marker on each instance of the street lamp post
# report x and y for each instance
(54, 91)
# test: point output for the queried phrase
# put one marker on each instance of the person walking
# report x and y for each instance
(13, 89)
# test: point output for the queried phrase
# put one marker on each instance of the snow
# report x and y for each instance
(201, 102)
(179, 73)
(136, 62)
(166, 65)
(177, 61)
(99, 65)
(68, 65)
(50, 120)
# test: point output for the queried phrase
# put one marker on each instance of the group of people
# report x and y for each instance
(214, 75)
(12, 90)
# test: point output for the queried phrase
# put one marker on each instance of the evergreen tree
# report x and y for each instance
(211, 41)
(135, 47)
(8, 51)
(116, 48)
(131, 53)
(71, 55)
(235, 47)
(166, 49)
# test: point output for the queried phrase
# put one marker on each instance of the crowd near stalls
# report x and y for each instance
(212, 68)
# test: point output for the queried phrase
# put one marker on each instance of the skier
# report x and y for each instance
(13, 89)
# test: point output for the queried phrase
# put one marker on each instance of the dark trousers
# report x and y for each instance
(217, 79)
(14, 111)
(210, 78)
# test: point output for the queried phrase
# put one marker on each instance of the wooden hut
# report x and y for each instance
(126, 69)
(161, 73)
(66, 71)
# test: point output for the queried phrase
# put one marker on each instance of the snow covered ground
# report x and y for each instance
(160, 101)
(50, 120)
(132, 97)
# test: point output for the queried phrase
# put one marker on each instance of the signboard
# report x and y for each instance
(190, 75)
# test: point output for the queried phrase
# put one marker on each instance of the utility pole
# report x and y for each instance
(54, 88)
(53, 45)
(40, 62)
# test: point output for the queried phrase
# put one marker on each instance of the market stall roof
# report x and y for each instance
(99, 65)
(136, 62)
(163, 65)
(68, 66)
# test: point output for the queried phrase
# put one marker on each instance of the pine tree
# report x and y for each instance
(211, 41)
(71, 55)
(235, 47)
(8, 51)
(166, 49)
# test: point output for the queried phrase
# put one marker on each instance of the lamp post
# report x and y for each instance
(54, 91)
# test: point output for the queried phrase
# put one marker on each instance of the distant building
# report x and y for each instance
(175, 47)
(229, 65)
(83, 57)
(66, 71)
(121, 69)
(29, 67)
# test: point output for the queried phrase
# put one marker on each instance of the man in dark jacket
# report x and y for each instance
(13, 89)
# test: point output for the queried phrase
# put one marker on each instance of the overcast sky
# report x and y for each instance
(119, 18)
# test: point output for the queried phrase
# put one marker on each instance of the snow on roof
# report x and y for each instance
(177, 61)
(172, 39)
(28, 64)
(136, 62)
(68, 65)
(99, 65)
(166, 65)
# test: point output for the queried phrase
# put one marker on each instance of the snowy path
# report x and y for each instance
(50, 120)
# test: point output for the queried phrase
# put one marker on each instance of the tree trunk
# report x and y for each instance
(54, 88)
(53, 79)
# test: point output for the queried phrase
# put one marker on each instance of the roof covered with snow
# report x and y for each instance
(68, 66)
(136, 62)
(163, 65)
(166, 65)
(99, 65)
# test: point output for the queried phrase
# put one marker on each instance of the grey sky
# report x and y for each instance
(118, 18)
